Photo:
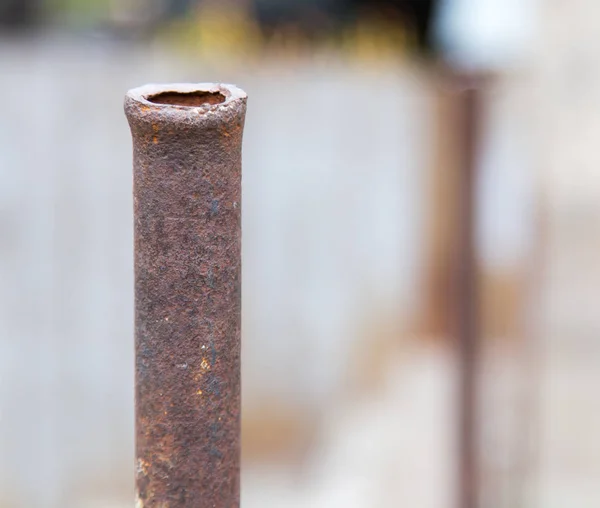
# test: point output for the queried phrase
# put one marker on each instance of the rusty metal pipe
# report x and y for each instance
(187, 188)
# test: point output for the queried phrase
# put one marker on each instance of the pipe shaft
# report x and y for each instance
(187, 189)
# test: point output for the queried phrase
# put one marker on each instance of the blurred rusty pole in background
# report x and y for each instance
(469, 97)
(187, 189)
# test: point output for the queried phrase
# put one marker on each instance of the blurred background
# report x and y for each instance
(359, 151)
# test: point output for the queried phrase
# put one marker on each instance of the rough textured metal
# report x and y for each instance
(187, 174)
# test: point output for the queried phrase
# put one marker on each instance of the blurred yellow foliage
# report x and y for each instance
(220, 33)
(217, 33)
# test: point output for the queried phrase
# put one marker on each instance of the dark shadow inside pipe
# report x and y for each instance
(192, 99)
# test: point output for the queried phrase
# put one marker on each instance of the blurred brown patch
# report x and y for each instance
(501, 291)
(435, 317)
(503, 301)
(382, 341)
(278, 432)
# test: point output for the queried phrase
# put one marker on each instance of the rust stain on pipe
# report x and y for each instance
(187, 189)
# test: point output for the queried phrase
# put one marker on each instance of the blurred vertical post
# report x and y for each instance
(456, 280)
(466, 284)
(478, 38)
(187, 190)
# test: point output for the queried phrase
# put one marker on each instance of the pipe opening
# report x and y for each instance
(192, 99)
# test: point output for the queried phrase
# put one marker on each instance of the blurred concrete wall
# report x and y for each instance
(333, 167)
(565, 105)
(337, 163)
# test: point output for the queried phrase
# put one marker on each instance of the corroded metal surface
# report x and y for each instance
(187, 174)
